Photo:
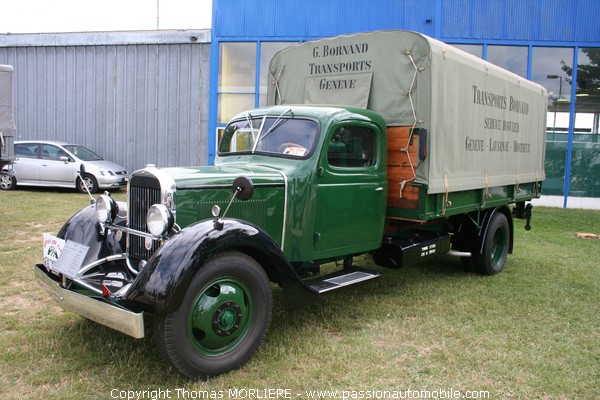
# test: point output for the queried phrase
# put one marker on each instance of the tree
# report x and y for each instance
(588, 74)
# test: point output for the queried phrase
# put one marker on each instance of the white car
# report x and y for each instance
(58, 164)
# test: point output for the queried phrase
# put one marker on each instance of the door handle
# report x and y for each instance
(379, 189)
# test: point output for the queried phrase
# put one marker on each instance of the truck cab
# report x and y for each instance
(332, 162)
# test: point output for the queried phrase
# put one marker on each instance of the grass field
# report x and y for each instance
(531, 332)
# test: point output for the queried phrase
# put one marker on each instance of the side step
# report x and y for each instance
(341, 279)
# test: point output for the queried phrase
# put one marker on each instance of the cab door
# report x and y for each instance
(351, 190)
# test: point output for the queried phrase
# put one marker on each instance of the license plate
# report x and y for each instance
(65, 257)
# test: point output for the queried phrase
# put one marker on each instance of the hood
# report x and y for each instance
(222, 176)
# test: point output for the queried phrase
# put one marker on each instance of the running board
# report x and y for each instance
(341, 279)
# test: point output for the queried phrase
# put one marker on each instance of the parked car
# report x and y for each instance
(57, 164)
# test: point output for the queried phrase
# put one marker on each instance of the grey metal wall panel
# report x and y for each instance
(132, 103)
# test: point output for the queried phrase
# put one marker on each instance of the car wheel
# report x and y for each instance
(223, 318)
(7, 182)
(89, 181)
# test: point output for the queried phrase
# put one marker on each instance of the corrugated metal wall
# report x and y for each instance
(537, 20)
(134, 100)
(318, 18)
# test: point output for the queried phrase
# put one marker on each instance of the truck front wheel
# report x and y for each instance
(223, 318)
(495, 246)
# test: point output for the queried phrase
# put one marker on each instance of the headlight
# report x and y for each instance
(106, 209)
(159, 220)
(105, 172)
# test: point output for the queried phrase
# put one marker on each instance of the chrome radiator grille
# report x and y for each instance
(144, 191)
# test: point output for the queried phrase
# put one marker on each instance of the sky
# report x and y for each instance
(51, 16)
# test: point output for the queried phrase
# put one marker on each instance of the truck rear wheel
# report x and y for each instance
(495, 246)
(223, 318)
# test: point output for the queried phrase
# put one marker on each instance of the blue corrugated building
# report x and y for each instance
(553, 42)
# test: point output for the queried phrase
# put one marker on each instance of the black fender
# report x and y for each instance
(487, 217)
(84, 228)
(164, 280)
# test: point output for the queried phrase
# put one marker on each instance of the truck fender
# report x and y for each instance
(164, 280)
(486, 221)
(84, 228)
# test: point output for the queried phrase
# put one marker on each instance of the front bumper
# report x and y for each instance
(110, 182)
(99, 310)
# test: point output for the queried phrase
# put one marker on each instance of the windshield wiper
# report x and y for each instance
(277, 122)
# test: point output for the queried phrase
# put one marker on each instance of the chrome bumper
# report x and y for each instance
(112, 316)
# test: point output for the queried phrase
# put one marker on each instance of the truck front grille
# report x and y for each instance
(144, 191)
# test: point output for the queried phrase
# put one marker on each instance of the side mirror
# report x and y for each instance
(243, 189)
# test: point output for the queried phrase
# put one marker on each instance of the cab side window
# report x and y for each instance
(352, 147)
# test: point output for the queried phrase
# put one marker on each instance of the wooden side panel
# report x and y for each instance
(403, 151)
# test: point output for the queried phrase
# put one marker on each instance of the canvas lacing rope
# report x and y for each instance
(279, 100)
(447, 202)
(486, 193)
(415, 122)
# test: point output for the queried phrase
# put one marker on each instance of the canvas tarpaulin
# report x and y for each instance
(486, 126)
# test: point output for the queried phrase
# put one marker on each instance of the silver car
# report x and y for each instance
(54, 163)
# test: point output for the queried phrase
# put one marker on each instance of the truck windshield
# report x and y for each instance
(282, 135)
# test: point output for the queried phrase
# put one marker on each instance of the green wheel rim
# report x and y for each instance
(499, 246)
(221, 316)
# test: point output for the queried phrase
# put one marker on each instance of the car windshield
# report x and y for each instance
(82, 153)
(283, 135)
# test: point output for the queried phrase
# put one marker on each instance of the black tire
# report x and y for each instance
(215, 330)
(7, 182)
(88, 180)
(495, 247)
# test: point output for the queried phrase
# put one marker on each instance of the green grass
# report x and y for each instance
(531, 332)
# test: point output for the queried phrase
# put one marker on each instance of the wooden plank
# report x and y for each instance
(403, 150)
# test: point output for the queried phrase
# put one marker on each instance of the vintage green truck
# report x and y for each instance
(389, 144)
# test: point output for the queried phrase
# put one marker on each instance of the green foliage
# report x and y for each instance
(531, 332)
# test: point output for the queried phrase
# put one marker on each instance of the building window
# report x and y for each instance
(475, 49)
(237, 90)
(548, 69)
(585, 157)
(512, 58)
(237, 76)
(267, 51)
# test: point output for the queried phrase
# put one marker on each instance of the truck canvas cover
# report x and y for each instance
(7, 124)
(486, 126)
